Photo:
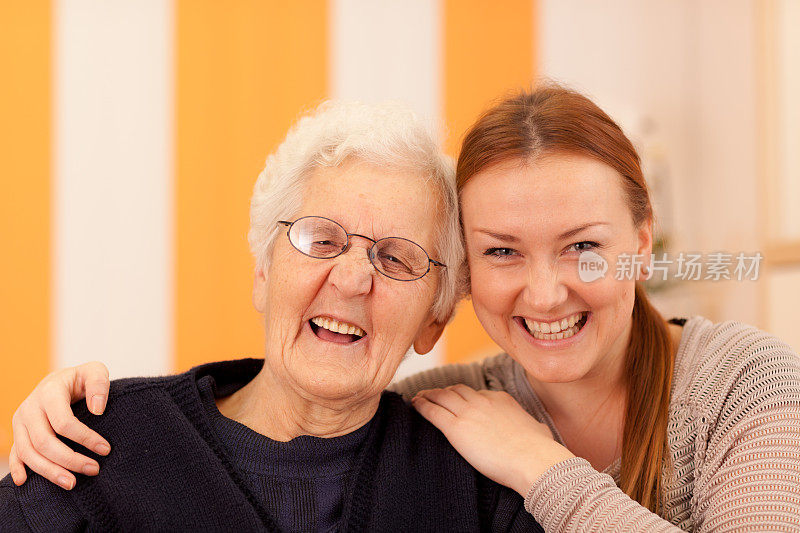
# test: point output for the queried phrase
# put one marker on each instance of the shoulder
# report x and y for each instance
(129, 395)
(38, 505)
(400, 426)
(482, 374)
(727, 363)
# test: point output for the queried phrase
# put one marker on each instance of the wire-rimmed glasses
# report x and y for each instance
(394, 257)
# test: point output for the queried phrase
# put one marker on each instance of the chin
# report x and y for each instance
(548, 369)
(334, 384)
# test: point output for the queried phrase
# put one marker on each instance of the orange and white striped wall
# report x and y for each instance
(131, 134)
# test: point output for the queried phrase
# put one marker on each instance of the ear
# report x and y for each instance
(427, 336)
(260, 290)
(645, 235)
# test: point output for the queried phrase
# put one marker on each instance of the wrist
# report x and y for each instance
(538, 465)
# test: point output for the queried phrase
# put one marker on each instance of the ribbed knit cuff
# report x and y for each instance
(573, 496)
(558, 477)
(559, 493)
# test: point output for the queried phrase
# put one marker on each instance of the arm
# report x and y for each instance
(748, 479)
(443, 376)
(47, 412)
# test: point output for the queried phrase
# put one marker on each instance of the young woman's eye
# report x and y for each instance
(499, 252)
(583, 246)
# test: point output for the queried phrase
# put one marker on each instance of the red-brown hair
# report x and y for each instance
(555, 119)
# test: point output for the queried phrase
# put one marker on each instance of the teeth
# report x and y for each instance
(337, 327)
(564, 329)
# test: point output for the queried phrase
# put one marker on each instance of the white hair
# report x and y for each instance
(387, 135)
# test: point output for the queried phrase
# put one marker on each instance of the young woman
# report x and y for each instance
(601, 414)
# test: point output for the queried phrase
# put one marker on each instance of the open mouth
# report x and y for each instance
(560, 329)
(332, 330)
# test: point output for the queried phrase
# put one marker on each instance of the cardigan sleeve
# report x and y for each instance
(469, 374)
(747, 471)
(750, 472)
(573, 496)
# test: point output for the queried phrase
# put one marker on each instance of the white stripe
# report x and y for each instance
(789, 128)
(389, 50)
(113, 184)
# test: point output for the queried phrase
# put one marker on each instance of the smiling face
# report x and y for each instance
(307, 301)
(526, 225)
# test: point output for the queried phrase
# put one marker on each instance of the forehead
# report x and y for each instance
(551, 194)
(372, 200)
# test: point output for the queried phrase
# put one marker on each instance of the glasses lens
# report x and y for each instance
(399, 258)
(318, 237)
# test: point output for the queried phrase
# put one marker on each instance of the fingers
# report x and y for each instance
(17, 467)
(40, 464)
(432, 412)
(445, 398)
(466, 392)
(94, 376)
(46, 444)
(60, 418)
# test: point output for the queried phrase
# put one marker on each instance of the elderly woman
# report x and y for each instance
(355, 233)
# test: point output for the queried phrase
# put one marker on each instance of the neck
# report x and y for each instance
(272, 407)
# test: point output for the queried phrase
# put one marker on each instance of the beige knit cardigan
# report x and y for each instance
(733, 436)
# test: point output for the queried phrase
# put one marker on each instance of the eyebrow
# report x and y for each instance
(574, 231)
(499, 236)
(567, 234)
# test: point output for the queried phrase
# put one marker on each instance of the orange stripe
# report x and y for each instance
(488, 51)
(25, 68)
(244, 71)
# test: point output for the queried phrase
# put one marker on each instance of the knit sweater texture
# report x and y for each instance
(733, 439)
(302, 483)
(168, 471)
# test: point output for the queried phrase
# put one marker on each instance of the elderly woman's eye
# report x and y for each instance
(499, 252)
(392, 263)
(324, 247)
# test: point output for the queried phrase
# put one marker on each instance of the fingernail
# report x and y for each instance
(91, 469)
(65, 482)
(97, 403)
(102, 448)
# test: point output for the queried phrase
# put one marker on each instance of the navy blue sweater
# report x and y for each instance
(168, 471)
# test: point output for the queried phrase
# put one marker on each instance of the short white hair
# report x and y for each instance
(386, 134)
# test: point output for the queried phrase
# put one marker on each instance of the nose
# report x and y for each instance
(352, 272)
(545, 290)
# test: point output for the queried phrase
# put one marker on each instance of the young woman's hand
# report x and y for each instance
(493, 433)
(47, 412)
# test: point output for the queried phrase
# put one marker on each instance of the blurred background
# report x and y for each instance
(131, 133)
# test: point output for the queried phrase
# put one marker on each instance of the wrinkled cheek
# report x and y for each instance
(386, 360)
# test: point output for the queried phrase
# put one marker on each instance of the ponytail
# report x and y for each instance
(648, 371)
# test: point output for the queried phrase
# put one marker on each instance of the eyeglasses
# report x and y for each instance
(394, 257)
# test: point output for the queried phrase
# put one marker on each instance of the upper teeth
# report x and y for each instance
(554, 327)
(337, 327)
